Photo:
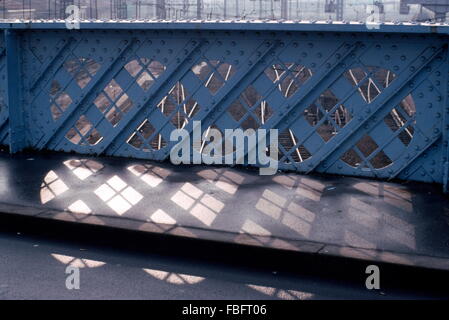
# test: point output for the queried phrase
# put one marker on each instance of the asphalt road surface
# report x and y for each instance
(33, 266)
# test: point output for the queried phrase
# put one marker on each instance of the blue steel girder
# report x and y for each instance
(14, 91)
(323, 67)
(396, 94)
(4, 128)
(345, 100)
(241, 79)
(174, 71)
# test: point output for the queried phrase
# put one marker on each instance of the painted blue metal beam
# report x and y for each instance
(17, 126)
(233, 25)
(346, 99)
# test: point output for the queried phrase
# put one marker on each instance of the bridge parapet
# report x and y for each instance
(346, 100)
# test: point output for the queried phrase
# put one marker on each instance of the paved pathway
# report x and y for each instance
(400, 223)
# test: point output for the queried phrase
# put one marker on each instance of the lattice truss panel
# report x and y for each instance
(4, 129)
(353, 104)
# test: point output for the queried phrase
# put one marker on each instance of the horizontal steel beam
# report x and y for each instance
(233, 25)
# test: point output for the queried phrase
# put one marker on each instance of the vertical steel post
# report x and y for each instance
(445, 129)
(237, 13)
(17, 130)
(339, 10)
(160, 9)
(199, 4)
(225, 9)
(284, 9)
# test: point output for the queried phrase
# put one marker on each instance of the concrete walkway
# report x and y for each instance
(390, 222)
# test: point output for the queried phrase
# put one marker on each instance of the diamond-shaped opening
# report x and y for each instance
(121, 102)
(226, 71)
(372, 86)
(55, 112)
(61, 103)
(297, 76)
(320, 108)
(250, 99)
(145, 81)
(102, 102)
(55, 87)
(167, 106)
(178, 93)
(72, 65)
(395, 120)
(313, 114)
(82, 78)
(263, 112)
(143, 132)
(380, 160)
(187, 111)
(94, 137)
(327, 100)
(146, 78)
(133, 67)
(398, 118)
(114, 116)
(214, 74)
(113, 90)
(82, 70)
(406, 135)
(179, 120)
(275, 72)
(355, 75)
(215, 83)
(289, 86)
(290, 76)
(158, 142)
(255, 119)
(341, 116)
(83, 125)
(73, 136)
(382, 76)
(326, 130)
(352, 158)
(237, 110)
(288, 141)
(367, 145)
(177, 100)
(202, 70)
(91, 66)
(250, 96)
(408, 106)
(249, 123)
(191, 108)
(146, 129)
(83, 133)
(156, 69)
(136, 141)
(124, 103)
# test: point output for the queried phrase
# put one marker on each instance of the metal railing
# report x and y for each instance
(333, 10)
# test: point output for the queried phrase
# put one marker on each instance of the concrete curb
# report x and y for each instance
(180, 233)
